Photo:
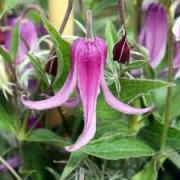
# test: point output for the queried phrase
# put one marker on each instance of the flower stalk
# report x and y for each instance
(122, 13)
(169, 94)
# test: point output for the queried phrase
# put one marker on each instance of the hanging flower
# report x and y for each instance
(88, 57)
(154, 33)
(28, 42)
(121, 51)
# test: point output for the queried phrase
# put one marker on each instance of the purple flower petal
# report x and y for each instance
(154, 33)
(118, 105)
(90, 64)
(57, 100)
(13, 162)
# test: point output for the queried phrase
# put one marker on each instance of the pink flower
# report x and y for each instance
(88, 58)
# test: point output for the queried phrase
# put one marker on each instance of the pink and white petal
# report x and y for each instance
(112, 101)
(177, 75)
(90, 65)
(176, 29)
(57, 100)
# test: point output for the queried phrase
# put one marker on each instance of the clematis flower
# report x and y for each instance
(154, 33)
(28, 42)
(88, 58)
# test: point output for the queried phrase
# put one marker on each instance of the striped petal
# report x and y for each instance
(153, 38)
(90, 64)
(112, 101)
(62, 96)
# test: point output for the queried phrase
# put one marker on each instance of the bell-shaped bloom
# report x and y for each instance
(176, 61)
(88, 58)
(154, 33)
(176, 29)
(121, 51)
(28, 42)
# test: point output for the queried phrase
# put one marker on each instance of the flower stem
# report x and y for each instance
(169, 95)
(89, 30)
(10, 169)
(66, 17)
(122, 13)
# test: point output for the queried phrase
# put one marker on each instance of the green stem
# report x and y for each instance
(169, 94)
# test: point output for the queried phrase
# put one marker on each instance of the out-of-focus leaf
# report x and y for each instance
(6, 5)
(46, 136)
(118, 147)
(72, 164)
(63, 52)
(7, 117)
(55, 174)
(174, 157)
(5, 55)
(35, 160)
(152, 135)
(14, 41)
(149, 172)
(133, 88)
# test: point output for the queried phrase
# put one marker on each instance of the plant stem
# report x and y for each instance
(122, 13)
(169, 95)
(66, 17)
(138, 17)
(89, 30)
(10, 169)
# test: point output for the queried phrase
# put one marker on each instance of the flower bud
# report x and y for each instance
(121, 51)
(2, 37)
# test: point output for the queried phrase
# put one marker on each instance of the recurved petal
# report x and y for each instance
(89, 67)
(112, 101)
(57, 100)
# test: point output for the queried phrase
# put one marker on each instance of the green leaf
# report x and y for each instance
(63, 52)
(149, 172)
(133, 88)
(118, 147)
(36, 160)
(107, 128)
(5, 55)
(72, 164)
(152, 135)
(134, 65)
(103, 111)
(14, 41)
(47, 136)
(7, 117)
(111, 36)
(6, 5)
(38, 68)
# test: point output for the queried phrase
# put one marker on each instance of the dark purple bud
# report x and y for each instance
(2, 37)
(121, 51)
(51, 66)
